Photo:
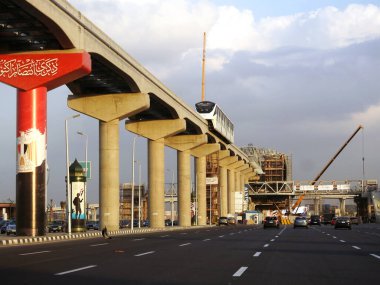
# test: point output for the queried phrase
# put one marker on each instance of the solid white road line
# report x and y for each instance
(356, 247)
(75, 270)
(257, 254)
(240, 271)
(100, 244)
(374, 255)
(185, 244)
(144, 253)
(36, 252)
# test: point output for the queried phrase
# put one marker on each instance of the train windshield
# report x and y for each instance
(204, 106)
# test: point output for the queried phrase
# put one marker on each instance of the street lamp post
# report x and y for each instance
(139, 164)
(85, 170)
(68, 206)
(133, 181)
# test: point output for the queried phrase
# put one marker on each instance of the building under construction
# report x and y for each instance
(276, 167)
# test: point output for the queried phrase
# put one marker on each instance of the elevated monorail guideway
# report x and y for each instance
(117, 88)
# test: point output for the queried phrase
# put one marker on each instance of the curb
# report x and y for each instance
(30, 240)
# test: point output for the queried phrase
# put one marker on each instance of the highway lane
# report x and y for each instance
(217, 255)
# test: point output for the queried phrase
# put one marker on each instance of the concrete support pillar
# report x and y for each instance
(184, 188)
(109, 174)
(231, 191)
(342, 206)
(156, 182)
(239, 205)
(200, 170)
(223, 197)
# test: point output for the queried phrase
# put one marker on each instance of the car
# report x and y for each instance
(343, 222)
(56, 226)
(223, 221)
(125, 224)
(91, 225)
(11, 228)
(354, 220)
(168, 222)
(145, 223)
(300, 222)
(315, 220)
(231, 220)
(271, 222)
(333, 220)
(3, 228)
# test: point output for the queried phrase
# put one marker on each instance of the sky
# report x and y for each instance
(295, 76)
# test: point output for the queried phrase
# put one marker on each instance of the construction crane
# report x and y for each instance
(298, 202)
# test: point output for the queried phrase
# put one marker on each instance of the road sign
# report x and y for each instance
(87, 171)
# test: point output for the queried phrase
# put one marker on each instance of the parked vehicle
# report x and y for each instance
(333, 220)
(3, 228)
(91, 225)
(300, 222)
(231, 221)
(125, 224)
(354, 220)
(223, 221)
(343, 222)
(11, 228)
(271, 222)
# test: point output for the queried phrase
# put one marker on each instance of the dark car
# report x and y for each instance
(300, 222)
(125, 224)
(343, 222)
(3, 228)
(271, 222)
(223, 221)
(354, 220)
(92, 226)
(231, 221)
(315, 220)
(333, 221)
(56, 226)
(11, 228)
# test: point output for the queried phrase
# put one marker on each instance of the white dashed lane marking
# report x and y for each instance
(356, 247)
(240, 271)
(257, 254)
(36, 252)
(144, 253)
(75, 270)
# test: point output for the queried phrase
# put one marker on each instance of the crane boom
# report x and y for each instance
(335, 156)
(298, 202)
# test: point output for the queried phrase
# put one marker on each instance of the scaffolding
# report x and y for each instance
(212, 185)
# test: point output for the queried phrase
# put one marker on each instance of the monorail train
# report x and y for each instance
(217, 120)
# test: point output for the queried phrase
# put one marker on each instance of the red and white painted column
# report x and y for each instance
(33, 74)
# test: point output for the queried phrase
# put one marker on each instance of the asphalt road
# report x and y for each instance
(216, 255)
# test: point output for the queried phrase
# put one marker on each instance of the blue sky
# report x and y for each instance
(295, 76)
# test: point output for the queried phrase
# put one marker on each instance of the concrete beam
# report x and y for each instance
(205, 149)
(248, 170)
(227, 161)
(235, 165)
(156, 129)
(223, 154)
(241, 168)
(185, 142)
(109, 107)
